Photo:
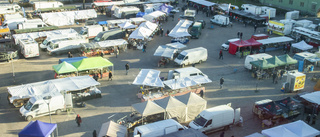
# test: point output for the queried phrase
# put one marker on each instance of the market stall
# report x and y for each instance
(294, 108)
(306, 61)
(274, 43)
(167, 53)
(180, 32)
(140, 37)
(301, 46)
(127, 25)
(137, 21)
(173, 107)
(148, 108)
(112, 129)
(64, 69)
(149, 25)
(37, 129)
(243, 47)
(94, 65)
(295, 81)
(259, 36)
(176, 45)
(155, 16)
(103, 47)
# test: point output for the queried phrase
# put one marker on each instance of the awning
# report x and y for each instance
(92, 63)
(275, 40)
(148, 108)
(112, 129)
(313, 97)
(186, 82)
(140, 33)
(302, 45)
(127, 25)
(64, 67)
(181, 29)
(37, 129)
(153, 15)
(110, 43)
(148, 77)
(149, 25)
(176, 45)
(165, 51)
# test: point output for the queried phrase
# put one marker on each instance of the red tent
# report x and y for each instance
(234, 46)
(254, 42)
(259, 36)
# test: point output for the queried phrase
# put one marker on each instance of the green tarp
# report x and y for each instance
(64, 67)
(286, 58)
(262, 64)
(273, 62)
(276, 61)
(92, 63)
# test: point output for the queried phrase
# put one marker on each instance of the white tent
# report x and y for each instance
(186, 82)
(176, 45)
(181, 29)
(204, 2)
(55, 85)
(165, 51)
(107, 3)
(255, 135)
(140, 33)
(275, 40)
(302, 45)
(137, 20)
(153, 15)
(195, 104)
(174, 108)
(313, 97)
(112, 129)
(110, 43)
(278, 131)
(148, 77)
(127, 25)
(149, 25)
(302, 129)
(148, 108)
(118, 21)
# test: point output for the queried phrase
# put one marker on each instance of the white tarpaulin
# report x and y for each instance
(176, 45)
(181, 29)
(112, 129)
(110, 43)
(68, 17)
(140, 33)
(313, 97)
(148, 108)
(195, 104)
(302, 45)
(153, 15)
(137, 20)
(165, 51)
(275, 40)
(204, 2)
(174, 108)
(55, 85)
(149, 25)
(118, 21)
(278, 131)
(127, 25)
(186, 82)
(148, 77)
(108, 3)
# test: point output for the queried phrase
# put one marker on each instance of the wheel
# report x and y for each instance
(29, 118)
(58, 111)
(200, 61)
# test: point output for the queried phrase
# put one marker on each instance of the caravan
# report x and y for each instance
(185, 72)
(29, 48)
(46, 4)
(34, 23)
(126, 12)
(13, 23)
(66, 45)
(220, 20)
(251, 9)
(271, 12)
(91, 31)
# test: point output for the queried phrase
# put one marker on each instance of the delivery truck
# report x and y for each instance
(65, 46)
(157, 129)
(215, 118)
(192, 56)
(185, 72)
(220, 20)
(46, 4)
(28, 48)
(34, 23)
(52, 103)
(92, 31)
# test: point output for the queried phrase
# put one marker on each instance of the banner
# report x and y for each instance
(299, 83)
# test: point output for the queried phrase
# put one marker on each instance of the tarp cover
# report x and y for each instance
(165, 8)
(233, 46)
(190, 132)
(148, 77)
(37, 129)
(312, 97)
(148, 108)
(287, 59)
(140, 33)
(127, 25)
(195, 104)
(64, 67)
(176, 45)
(186, 82)
(70, 60)
(276, 61)
(278, 131)
(275, 40)
(181, 29)
(174, 108)
(204, 2)
(302, 45)
(165, 51)
(110, 43)
(153, 15)
(92, 63)
(55, 85)
(112, 129)
(149, 25)
(262, 64)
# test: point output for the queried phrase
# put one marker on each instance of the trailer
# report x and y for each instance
(271, 12)
(279, 27)
(29, 48)
(126, 12)
(46, 4)
(251, 9)
(34, 23)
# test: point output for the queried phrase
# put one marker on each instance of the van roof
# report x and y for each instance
(197, 24)
(193, 50)
(160, 125)
(260, 55)
(208, 113)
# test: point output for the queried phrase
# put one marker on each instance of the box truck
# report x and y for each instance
(220, 20)
(54, 38)
(292, 14)
(271, 12)
(216, 118)
(185, 72)
(13, 23)
(126, 12)
(157, 129)
(251, 9)
(34, 23)
(46, 4)
(196, 30)
(52, 103)
(64, 46)
(279, 27)
(28, 48)
(191, 56)
(92, 31)
(255, 57)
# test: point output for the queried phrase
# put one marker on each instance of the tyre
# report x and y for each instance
(200, 61)
(58, 111)
(29, 118)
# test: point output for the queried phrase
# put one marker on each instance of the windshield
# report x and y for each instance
(180, 57)
(83, 32)
(98, 37)
(45, 42)
(227, 43)
(200, 120)
(194, 30)
(28, 105)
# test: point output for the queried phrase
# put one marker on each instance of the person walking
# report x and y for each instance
(238, 34)
(144, 48)
(127, 68)
(94, 133)
(241, 35)
(314, 119)
(168, 31)
(308, 118)
(117, 52)
(255, 28)
(161, 32)
(110, 75)
(201, 93)
(222, 134)
(78, 120)
(281, 73)
(221, 82)
(95, 76)
(70, 55)
(220, 55)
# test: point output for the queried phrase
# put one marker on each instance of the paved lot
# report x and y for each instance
(118, 95)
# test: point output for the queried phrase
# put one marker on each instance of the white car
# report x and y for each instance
(225, 46)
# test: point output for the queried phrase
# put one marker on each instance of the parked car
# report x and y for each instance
(225, 46)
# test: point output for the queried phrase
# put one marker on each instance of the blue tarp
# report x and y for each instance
(140, 14)
(165, 8)
(37, 129)
(102, 22)
(70, 60)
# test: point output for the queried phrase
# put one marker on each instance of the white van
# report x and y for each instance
(255, 57)
(54, 38)
(220, 20)
(64, 46)
(34, 23)
(39, 106)
(216, 118)
(29, 48)
(157, 129)
(91, 31)
(184, 72)
(191, 56)
(13, 23)
(125, 12)
(225, 46)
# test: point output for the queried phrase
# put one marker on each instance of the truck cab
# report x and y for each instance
(195, 30)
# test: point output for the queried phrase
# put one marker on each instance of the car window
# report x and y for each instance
(208, 123)
(35, 107)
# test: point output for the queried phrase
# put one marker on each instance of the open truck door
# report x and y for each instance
(236, 115)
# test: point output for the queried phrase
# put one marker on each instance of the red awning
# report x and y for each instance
(233, 46)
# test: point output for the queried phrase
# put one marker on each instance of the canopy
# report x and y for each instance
(137, 20)
(302, 45)
(190, 132)
(306, 56)
(64, 67)
(204, 2)
(275, 40)
(70, 60)
(165, 8)
(313, 97)
(176, 45)
(92, 63)
(149, 25)
(55, 85)
(301, 129)
(186, 82)
(165, 51)
(112, 129)
(181, 29)
(110, 43)
(276, 61)
(255, 135)
(195, 104)
(153, 15)
(174, 108)
(127, 25)
(278, 131)
(262, 64)
(148, 77)
(233, 46)
(287, 59)
(148, 108)
(37, 129)
(140, 33)
(141, 14)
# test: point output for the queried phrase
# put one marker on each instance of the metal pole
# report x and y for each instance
(49, 111)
